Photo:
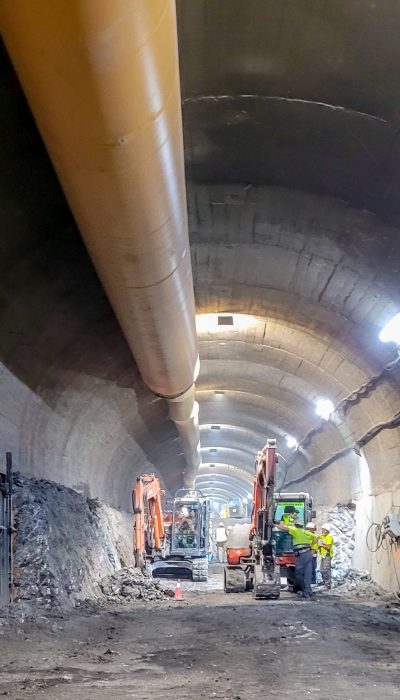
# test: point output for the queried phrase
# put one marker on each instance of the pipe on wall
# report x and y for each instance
(102, 80)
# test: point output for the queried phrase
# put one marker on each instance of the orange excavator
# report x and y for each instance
(251, 558)
(148, 526)
(174, 540)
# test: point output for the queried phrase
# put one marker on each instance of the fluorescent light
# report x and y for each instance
(391, 332)
(291, 441)
(324, 408)
(196, 369)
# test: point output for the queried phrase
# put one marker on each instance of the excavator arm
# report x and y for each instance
(148, 526)
(250, 552)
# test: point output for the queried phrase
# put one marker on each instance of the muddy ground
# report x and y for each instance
(210, 645)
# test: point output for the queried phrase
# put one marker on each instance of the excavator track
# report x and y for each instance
(200, 570)
(234, 580)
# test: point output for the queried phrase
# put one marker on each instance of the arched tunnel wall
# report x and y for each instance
(302, 236)
(282, 257)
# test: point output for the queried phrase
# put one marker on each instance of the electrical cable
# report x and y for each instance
(393, 422)
(385, 543)
(355, 397)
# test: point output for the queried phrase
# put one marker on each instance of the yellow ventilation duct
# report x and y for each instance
(102, 80)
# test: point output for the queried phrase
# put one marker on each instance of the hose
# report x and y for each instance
(382, 541)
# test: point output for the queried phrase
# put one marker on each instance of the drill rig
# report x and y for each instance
(173, 540)
(251, 559)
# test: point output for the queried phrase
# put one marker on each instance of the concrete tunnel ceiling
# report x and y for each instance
(293, 171)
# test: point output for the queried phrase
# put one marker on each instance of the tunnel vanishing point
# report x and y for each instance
(213, 182)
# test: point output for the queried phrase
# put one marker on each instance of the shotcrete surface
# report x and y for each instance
(210, 645)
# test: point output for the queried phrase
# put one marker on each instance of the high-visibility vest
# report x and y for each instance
(328, 540)
(301, 536)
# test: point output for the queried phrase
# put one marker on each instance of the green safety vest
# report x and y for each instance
(301, 536)
(328, 539)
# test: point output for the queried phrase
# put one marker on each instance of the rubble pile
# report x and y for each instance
(64, 544)
(358, 582)
(341, 519)
(130, 584)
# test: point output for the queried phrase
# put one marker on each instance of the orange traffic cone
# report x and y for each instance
(178, 591)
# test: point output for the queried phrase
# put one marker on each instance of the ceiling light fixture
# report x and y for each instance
(291, 442)
(324, 408)
(390, 333)
(224, 322)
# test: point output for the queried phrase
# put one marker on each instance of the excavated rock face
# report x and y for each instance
(64, 543)
(341, 519)
(346, 579)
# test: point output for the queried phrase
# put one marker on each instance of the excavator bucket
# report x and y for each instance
(267, 580)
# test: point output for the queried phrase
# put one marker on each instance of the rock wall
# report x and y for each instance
(384, 563)
(65, 543)
(342, 520)
(352, 528)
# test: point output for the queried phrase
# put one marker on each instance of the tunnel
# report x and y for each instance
(285, 194)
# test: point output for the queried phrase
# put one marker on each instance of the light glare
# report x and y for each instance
(391, 332)
(324, 408)
(291, 441)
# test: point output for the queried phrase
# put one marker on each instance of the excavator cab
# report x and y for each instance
(290, 509)
(170, 537)
(190, 523)
(186, 530)
(187, 535)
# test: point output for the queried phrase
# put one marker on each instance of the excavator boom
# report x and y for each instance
(148, 527)
(251, 560)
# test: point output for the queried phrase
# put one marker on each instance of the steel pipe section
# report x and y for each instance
(102, 80)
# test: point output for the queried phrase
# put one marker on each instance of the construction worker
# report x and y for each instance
(302, 541)
(221, 538)
(325, 548)
(311, 527)
(290, 515)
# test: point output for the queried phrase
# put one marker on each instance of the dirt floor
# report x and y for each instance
(210, 645)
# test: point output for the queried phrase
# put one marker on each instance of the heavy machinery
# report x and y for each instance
(174, 540)
(290, 507)
(251, 559)
(260, 556)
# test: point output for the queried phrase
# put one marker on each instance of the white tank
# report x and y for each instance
(238, 536)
